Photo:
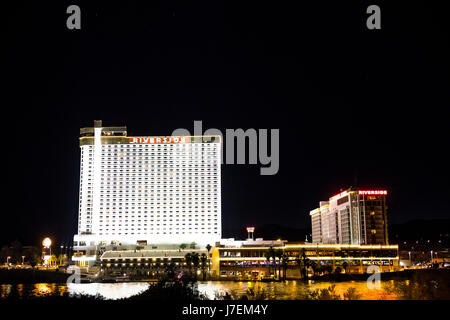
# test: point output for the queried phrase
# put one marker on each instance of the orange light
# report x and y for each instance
(339, 195)
(47, 242)
(250, 229)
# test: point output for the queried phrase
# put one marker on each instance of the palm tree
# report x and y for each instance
(319, 268)
(298, 260)
(34, 256)
(313, 266)
(53, 260)
(208, 247)
(35, 260)
(61, 258)
(203, 259)
(278, 254)
(345, 266)
(302, 262)
(170, 270)
(285, 260)
(328, 268)
(188, 259)
(268, 255)
(195, 261)
(272, 255)
(272, 252)
(306, 261)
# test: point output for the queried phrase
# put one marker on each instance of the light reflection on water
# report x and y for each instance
(5, 290)
(37, 290)
(42, 289)
(289, 290)
(292, 290)
(110, 291)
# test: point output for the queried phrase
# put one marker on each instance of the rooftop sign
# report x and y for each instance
(373, 192)
(158, 140)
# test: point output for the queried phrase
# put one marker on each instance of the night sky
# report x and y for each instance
(354, 106)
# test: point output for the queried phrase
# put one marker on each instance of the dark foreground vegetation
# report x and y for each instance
(423, 285)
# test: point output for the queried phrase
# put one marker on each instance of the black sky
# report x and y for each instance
(352, 105)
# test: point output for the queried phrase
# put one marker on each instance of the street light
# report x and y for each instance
(47, 244)
(7, 260)
(23, 260)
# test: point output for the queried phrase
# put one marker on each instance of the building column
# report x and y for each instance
(333, 264)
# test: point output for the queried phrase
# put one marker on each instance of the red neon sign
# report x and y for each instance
(373, 192)
(158, 140)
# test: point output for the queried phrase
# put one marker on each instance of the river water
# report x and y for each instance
(289, 290)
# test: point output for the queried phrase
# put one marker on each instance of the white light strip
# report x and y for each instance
(219, 187)
(97, 179)
(84, 258)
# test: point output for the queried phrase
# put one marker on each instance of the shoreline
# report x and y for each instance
(26, 276)
(31, 276)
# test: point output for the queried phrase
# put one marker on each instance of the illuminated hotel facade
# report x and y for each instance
(147, 190)
(351, 217)
(247, 260)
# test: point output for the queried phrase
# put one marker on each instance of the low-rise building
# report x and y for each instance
(255, 259)
(255, 262)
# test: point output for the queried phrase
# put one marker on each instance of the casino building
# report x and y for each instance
(147, 202)
(248, 260)
(351, 217)
(146, 190)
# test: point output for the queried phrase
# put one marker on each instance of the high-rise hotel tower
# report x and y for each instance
(147, 190)
(351, 217)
